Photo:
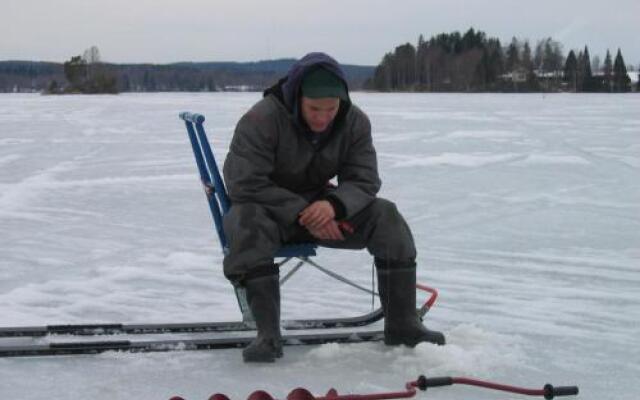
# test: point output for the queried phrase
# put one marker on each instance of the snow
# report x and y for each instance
(525, 210)
(456, 159)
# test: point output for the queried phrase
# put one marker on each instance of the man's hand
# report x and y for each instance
(329, 231)
(317, 215)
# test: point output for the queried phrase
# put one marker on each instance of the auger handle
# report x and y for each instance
(423, 382)
(550, 391)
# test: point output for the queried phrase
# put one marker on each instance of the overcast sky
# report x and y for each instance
(353, 31)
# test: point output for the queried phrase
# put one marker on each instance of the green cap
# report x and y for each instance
(321, 83)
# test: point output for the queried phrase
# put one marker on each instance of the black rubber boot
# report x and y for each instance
(263, 296)
(397, 288)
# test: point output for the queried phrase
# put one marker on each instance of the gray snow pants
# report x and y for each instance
(254, 236)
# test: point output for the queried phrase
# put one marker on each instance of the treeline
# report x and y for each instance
(28, 76)
(473, 62)
(25, 76)
(469, 62)
(579, 77)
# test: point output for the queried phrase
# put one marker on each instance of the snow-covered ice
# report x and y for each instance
(525, 210)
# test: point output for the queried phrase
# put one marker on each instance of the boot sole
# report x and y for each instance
(271, 359)
(400, 342)
(266, 357)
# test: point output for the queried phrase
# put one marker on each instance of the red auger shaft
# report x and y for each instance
(432, 299)
(332, 395)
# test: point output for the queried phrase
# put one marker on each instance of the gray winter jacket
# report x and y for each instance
(273, 162)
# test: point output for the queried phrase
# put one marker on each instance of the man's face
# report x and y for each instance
(318, 113)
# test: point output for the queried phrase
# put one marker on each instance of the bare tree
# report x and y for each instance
(92, 55)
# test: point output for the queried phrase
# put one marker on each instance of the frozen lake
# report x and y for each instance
(525, 210)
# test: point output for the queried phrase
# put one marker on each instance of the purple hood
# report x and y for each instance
(291, 86)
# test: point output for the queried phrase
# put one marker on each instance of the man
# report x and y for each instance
(286, 148)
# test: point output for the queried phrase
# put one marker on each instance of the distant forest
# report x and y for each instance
(473, 62)
(81, 74)
(448, 62)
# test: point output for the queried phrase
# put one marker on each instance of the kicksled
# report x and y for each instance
(75, 339)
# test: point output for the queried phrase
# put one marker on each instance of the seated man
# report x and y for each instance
(286, 148)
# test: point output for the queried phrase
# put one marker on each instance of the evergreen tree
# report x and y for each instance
(421, 63)
(608, 73)
(587, 76)
(405, 70)
(621, 80)
(513, 56)
(579, 71)
(382, 74)
(553, 56)
(75, 70)
(527, 61)
(496, 60)
(571, 71)
(538, 56)
(547, 56)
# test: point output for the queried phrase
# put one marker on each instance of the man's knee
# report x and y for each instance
(253, 237)
(385, 210)
(248, 221)
(392, 237)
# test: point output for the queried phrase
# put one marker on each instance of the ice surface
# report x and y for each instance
(525, 210)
